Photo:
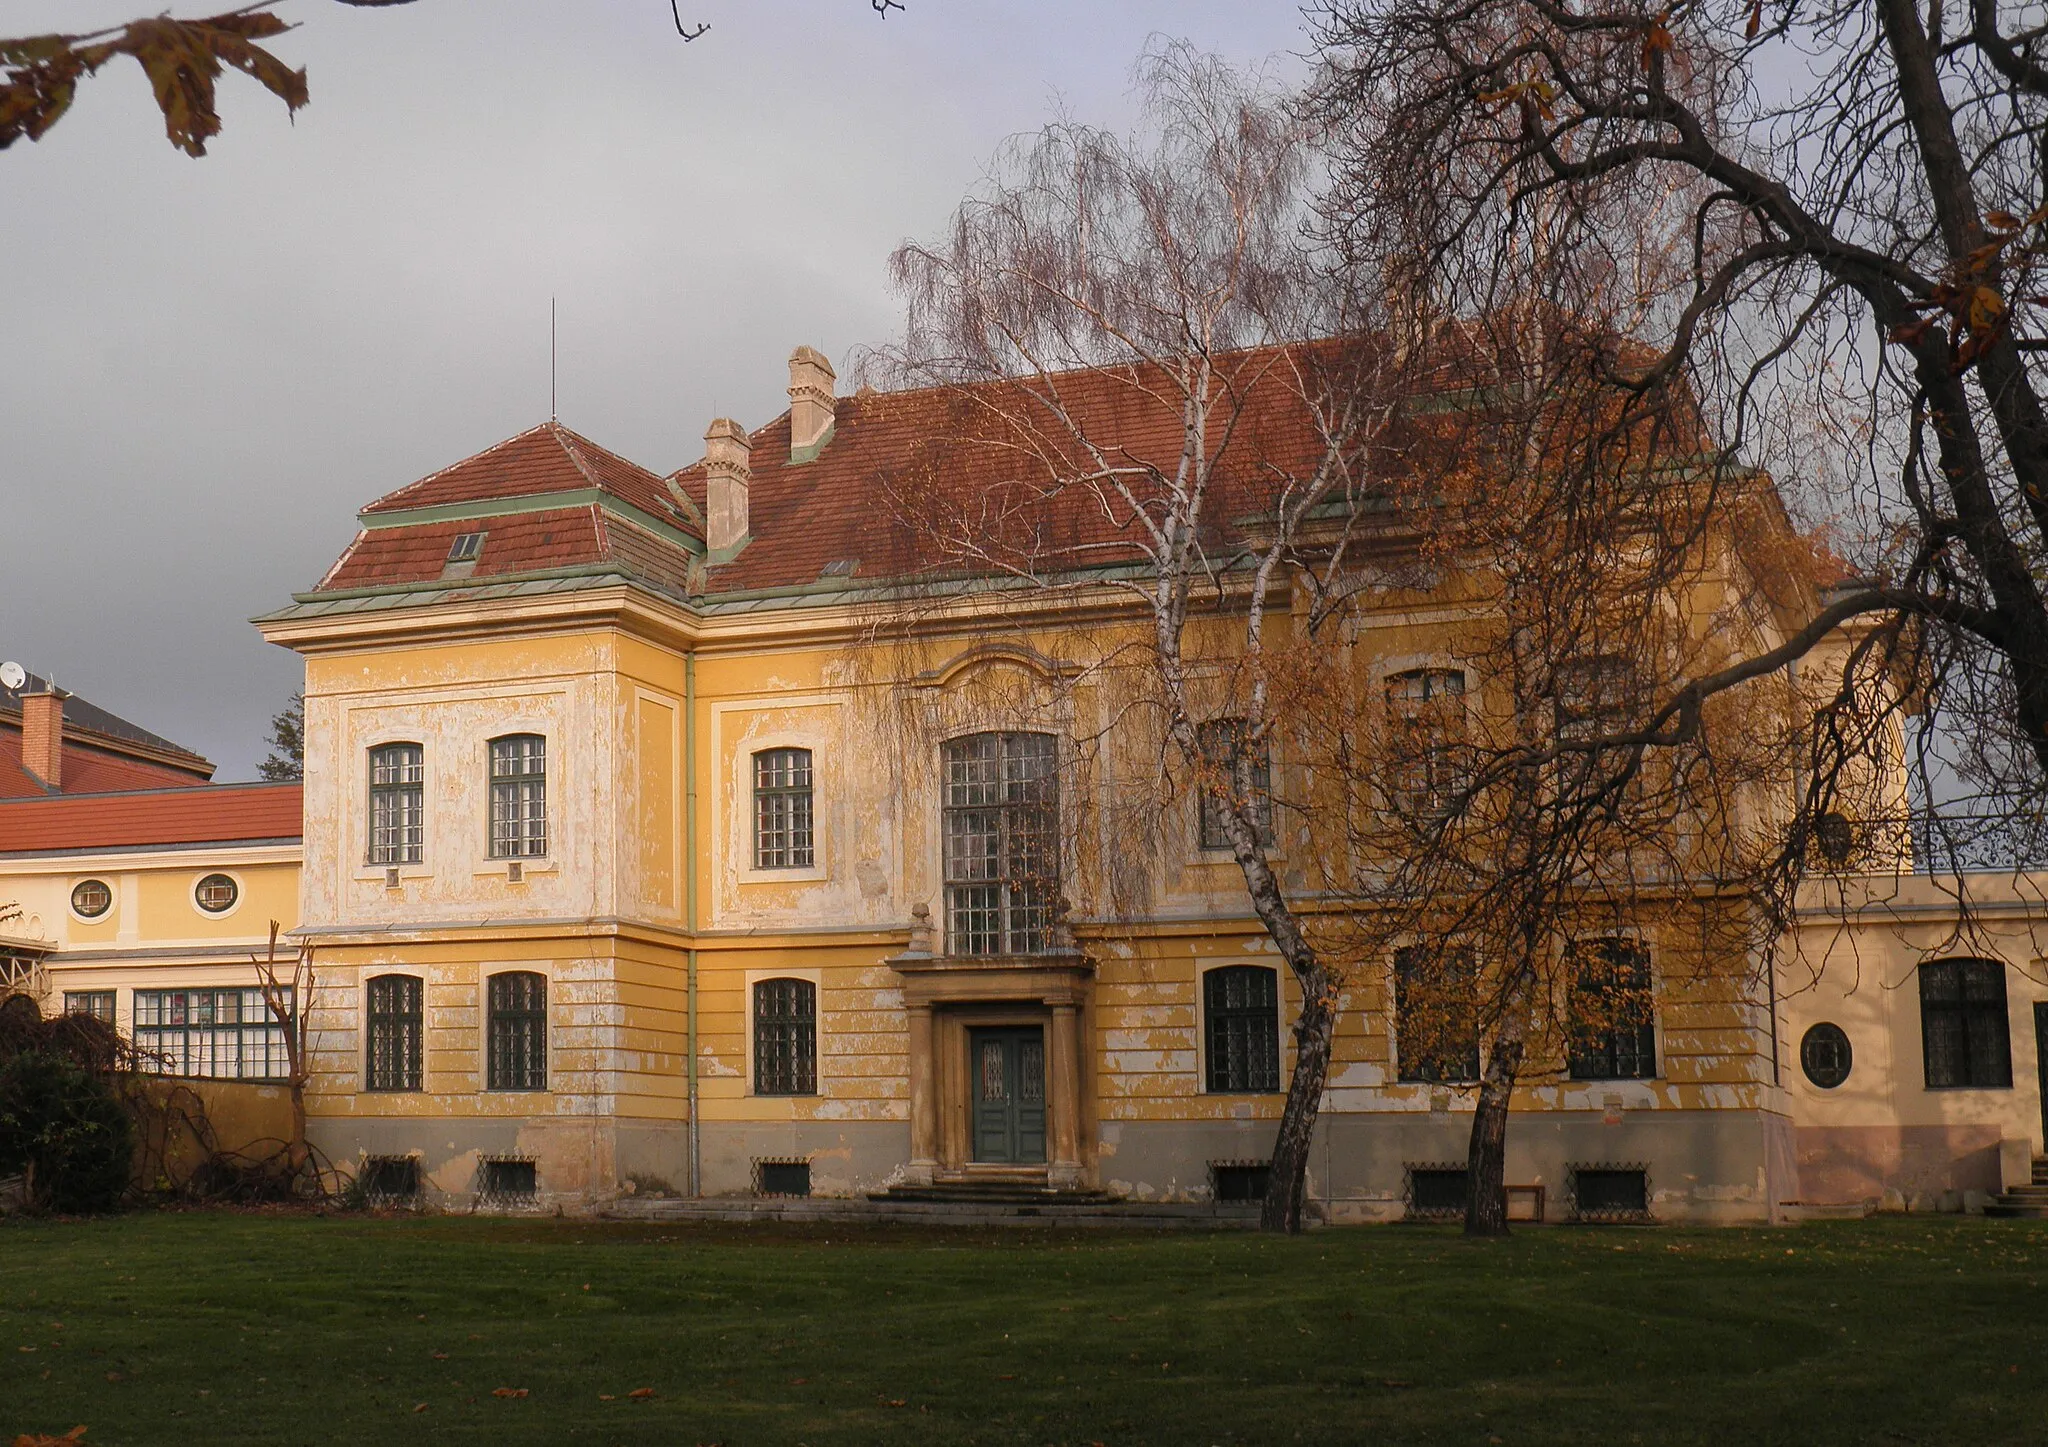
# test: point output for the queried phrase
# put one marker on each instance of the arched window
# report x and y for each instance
(398, 810)
(782, 809)
(518, 1051)
(519, 796)
(395, 1019)
(1965, 1038)
(1241, 1027)
(785, 1037)
(1002, 819)
(1226, 742)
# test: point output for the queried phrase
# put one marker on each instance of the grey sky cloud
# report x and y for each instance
(209, 365)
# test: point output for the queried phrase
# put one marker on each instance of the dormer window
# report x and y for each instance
(466, 548)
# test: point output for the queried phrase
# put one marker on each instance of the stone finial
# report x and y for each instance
(921, 933)
(728, 454)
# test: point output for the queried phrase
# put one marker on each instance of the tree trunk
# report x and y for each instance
(1287, 1182)
(1486, 1197)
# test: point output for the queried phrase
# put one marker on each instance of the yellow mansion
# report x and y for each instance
(626, 865)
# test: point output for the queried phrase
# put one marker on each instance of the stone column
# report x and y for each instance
(1065, 1093)
(924, 1099)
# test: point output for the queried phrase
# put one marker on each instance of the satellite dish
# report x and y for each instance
(12, 676)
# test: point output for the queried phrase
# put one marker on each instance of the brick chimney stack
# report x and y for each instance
(42, 734)
(728, 455)
(811, 403)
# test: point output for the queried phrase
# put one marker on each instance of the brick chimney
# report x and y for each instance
(727, 455)
(810, 403)
(42, 734)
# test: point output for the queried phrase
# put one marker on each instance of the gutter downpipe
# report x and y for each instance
(690, 903)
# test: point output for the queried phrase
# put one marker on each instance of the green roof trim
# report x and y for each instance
(531, 502)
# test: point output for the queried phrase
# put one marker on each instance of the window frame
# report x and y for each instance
(99, 915)
(1220, 1067)
(410, 1075)
(513, 792)
(803, 1052)
(1023, 906)
(510, 1024)
(1441, 769)
(799, 799)
(1595, 1051)
(90, 998)
(1962, 1009)
(234, 901)
(383, 854)
(1221, 741)
(1410, 1071)
(253, 1026)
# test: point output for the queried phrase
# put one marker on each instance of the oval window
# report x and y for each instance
(91, 899)
(215, 893)
(1824, 1055)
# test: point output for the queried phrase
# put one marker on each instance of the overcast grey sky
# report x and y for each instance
(210, 365)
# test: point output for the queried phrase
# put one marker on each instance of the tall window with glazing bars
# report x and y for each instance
(518, 1001)
(1002, 808)
(785, 1037)
(519, 796)
(782, 809)
(398, 774)
(395, 1024)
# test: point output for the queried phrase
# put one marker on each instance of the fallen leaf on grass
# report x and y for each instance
(1007, 1377)
(113, 1376)
(606, 1397)
(640, 1394)
(421, 1407)
(439, 1356)
(37, 1439)
(1397, 1383)
(799, 1381)
(894, 1402)
(508, 1391)
(1114, 1317)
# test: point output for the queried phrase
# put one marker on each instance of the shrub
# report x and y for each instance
(60, 1124)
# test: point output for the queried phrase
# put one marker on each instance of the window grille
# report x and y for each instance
(1241, 1012)
(1966, 1038)
(782, 1178)
(1593, 698)
(395, 1027)
(785, 1037)
(518, 1003)
(97, 1003)
(507, 1183)
(519, 796)
(398, 774)
(1610, 1193)
(91, 898)
(1241, 1180)
(1225, 744)
(1825, 1056)
(1001, 809)
(1613, 1022)
(1436, 1015)
(211, 1034)
(390, 1180)
(1437, 1193)
(782, 809)
(1426, 717)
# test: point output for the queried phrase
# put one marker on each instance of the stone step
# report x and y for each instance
(990, 1194)
(1107, 1212)
(2028, 1193)
(2013, 1211)
(2041, 1170)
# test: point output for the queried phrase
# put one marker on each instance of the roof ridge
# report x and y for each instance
(188, 791)
(461, 462)
(562, 435)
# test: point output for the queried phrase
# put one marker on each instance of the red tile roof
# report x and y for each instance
(88, 770)
(214, 814)
(544, 459)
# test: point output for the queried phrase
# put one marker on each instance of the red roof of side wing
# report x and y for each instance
(153, 819)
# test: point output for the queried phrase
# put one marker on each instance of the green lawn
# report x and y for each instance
(168, 1328)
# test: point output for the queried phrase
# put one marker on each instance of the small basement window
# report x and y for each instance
(783, 1178)
(512, 1182)
(1241, 1180)
(466, 548)
(1436, 1193)
(391, 1180)
(1611, 1193)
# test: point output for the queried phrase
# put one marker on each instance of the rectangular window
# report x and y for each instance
(1966, 1039)
(1436, 1193)
(783, 1178)
(1595, 698)
(1241, 1020)
(507, 1183)
(1610, 1193)
(519, 797)
(1426, 737)
(390, 1180)
(1002, 818)
(211, 1034)
(1241, 1180)
(1436, 1015)
(518, 1003)
(398, 775)
(392, 1054)
(785, 1037)
(1232, 765)
(782, 809)
(97, 1003)
(1613, 1023)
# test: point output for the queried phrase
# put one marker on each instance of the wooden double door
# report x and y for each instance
(1006, 1070)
